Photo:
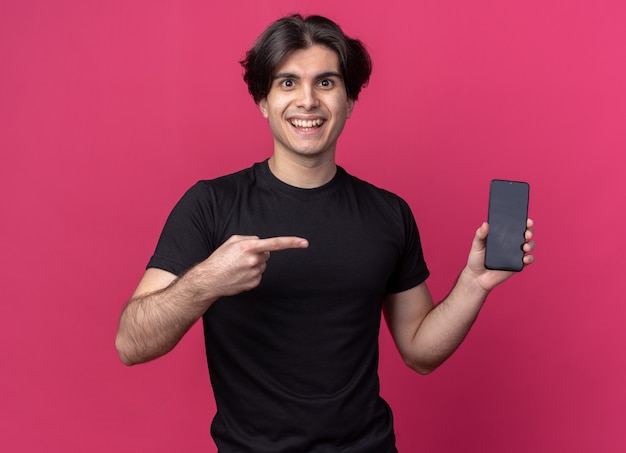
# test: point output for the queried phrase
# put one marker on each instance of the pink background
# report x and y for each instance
(110, 110)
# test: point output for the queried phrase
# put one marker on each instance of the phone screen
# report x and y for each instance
(508, 211)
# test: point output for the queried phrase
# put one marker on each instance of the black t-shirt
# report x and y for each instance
(294, 362)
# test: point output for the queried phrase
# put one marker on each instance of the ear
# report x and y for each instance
(263, 107)
(349, 107)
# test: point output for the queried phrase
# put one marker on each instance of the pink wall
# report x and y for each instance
(110, 110)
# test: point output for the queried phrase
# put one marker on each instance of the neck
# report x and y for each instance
(304, 173)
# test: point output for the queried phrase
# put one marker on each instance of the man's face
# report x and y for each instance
(307, 105)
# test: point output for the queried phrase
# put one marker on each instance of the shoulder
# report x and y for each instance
(375, 194)
(245, 176)
(223, 185)
(368, 187)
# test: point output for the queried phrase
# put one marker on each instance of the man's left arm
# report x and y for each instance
(426, 335)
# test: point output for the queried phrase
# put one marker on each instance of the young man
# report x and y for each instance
(292, 341)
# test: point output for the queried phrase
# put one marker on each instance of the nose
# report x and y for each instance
(307, 97)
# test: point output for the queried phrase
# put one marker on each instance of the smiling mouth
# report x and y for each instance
(306, 125)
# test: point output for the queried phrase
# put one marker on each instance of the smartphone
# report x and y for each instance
(508, 211)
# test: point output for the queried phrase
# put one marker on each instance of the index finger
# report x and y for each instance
(281, 243)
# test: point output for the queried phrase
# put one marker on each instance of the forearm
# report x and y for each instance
(164, 308)
(152, 324)
(445, 327)
(425, 335)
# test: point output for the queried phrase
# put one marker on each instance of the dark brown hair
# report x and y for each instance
(296, 32)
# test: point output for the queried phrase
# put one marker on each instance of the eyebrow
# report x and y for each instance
(290, 75)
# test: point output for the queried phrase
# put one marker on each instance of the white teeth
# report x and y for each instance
(307, 123)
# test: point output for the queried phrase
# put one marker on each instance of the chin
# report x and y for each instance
(313, 153)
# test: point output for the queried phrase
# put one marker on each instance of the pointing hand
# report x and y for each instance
(238, 264)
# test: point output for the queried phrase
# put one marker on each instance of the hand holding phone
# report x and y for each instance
(508, 212)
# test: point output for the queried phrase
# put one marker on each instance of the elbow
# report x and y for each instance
(132, 353)
(124, 352)
(421, 367)
(424, 371)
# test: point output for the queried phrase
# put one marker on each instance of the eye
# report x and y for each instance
(287, 83)
(326, 83)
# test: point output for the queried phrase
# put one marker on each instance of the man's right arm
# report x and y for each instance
(164, 307)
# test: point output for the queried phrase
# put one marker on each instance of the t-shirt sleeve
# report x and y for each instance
(411, 269)
(185, 239)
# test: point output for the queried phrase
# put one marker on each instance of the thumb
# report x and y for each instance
(478, 243)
